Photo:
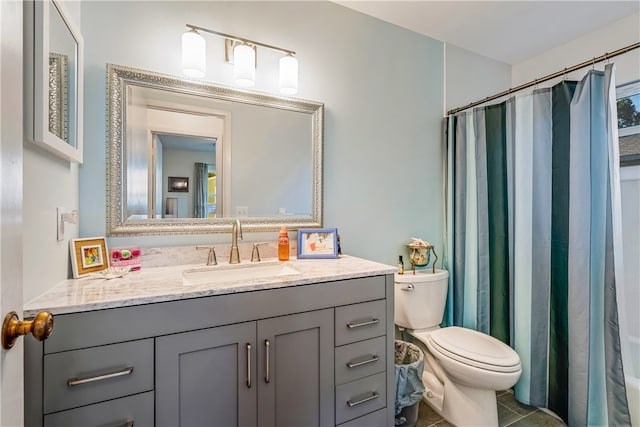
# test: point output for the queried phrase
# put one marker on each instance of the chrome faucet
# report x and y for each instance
(236, 233)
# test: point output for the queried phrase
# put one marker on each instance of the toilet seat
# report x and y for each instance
(475, 349)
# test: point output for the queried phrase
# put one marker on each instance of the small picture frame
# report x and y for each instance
(318, 243)
(88, 255)
(178, 184)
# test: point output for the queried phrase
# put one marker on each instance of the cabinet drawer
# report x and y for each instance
(91, 375)
(360, 397)
(360, 359)
(359, 322)
(374, 419)
(127, 411)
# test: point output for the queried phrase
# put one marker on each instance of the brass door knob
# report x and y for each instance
(12, 327)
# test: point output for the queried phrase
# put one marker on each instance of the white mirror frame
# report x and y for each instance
(39, 69)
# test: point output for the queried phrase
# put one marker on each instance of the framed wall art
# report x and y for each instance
(178, 184)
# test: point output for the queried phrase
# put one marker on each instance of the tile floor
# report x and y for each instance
(510, 413)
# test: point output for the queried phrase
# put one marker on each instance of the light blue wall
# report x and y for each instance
(383, 92)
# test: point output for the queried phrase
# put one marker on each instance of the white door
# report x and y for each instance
(11, 140)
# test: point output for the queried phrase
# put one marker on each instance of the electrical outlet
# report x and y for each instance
(242, 211)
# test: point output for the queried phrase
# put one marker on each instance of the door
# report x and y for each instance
(295, 370)
(11, 140)
(206, 377)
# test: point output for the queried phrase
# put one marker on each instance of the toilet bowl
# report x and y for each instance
(463, 368)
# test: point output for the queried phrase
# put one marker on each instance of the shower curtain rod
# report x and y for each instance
(548, 77)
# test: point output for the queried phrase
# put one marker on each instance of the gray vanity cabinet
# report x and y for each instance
(206, 375)
(215, 376)
(295, 370)
(319, 354)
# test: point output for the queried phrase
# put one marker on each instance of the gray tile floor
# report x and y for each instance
(510, 413)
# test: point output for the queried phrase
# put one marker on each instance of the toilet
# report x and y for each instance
(463, 367)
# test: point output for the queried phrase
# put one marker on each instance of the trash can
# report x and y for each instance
(409, 364)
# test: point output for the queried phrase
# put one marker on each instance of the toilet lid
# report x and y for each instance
(475, 348)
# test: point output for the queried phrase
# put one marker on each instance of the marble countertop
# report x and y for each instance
(159, 284)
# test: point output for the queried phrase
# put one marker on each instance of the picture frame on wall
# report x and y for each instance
(628, 105)
(178, 184)
(88, 255)
(317, 243)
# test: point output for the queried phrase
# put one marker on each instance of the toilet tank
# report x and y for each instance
(420, 299)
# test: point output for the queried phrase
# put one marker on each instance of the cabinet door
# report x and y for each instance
(205, 377)
(295, 370)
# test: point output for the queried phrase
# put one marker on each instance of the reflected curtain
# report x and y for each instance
(201, 190)
(533, 242)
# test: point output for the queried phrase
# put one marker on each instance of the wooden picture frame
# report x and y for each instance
(88, 255)
(318, 243)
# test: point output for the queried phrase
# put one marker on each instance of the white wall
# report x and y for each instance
(382, 147)
(607, 39)
(471, 77)
(49, 182)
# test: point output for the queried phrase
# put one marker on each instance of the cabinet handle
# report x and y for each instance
(75, 381)
(373, 395)
(372, 359)
(267, 346)
(361, 324)
(248, 365)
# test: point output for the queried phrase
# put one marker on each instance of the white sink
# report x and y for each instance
(238, 272)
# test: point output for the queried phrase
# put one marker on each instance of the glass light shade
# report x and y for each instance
(244, 65)
(289, 75)
(193, 54)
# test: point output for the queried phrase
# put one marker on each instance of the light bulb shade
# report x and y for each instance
(289, 75)
(193, 54)
(244, 65)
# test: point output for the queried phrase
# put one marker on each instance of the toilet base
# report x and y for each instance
(466, 406)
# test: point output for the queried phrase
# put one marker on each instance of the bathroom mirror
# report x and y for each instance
(56, 65)
(187, 156)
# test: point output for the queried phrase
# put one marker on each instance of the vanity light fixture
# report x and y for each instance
(239, 51)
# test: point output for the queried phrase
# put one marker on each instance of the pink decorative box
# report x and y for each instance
(126, 258)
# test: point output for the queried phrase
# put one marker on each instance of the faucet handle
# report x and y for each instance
(211, 258)
(255, 253)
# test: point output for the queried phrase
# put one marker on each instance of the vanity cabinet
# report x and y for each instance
(317, 354)
(248, 374)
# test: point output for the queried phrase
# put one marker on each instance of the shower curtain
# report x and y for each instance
(201, 189)
(534, 242)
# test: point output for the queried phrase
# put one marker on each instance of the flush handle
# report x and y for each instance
(409, 288)
(12, 327)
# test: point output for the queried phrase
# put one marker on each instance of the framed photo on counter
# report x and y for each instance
(318, 243)
(88, 256)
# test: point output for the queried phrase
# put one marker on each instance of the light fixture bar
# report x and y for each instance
(240, 39)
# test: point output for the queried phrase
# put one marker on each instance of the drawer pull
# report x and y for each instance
(361, 324)
(372, 396)
(75, 381)
(248, 365)
(373, 358)
(267, 347)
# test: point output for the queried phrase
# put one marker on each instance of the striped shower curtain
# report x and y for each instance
(533, 242)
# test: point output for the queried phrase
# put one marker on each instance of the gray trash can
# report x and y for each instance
(409, 364)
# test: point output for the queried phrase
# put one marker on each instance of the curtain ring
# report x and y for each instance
(564, 74)
(593, 63)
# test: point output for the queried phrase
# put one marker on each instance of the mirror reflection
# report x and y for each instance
(194, 155)
(62, 72)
